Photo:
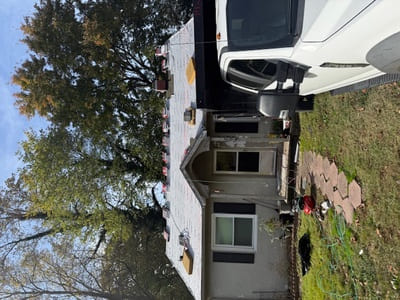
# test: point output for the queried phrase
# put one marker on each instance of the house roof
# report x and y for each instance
(186, 212)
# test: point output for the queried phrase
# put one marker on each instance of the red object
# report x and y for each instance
(165, 171)
(309, 204)
(160, 85)
(164, 188)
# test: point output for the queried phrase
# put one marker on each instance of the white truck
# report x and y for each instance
(286, 50)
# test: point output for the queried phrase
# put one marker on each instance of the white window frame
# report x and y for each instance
(233, 248)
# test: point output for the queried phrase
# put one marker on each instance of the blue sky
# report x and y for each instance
(12, 53)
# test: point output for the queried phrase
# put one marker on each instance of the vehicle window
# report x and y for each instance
(254, 24)
(254, 74)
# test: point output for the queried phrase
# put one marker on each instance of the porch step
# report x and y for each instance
(284, 208)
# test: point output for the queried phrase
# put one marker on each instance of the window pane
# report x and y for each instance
(236, 127)
(226, 161)
(249, 161)
(243, 232)
(223, 231)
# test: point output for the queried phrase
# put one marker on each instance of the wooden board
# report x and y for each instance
(187, 261)
(190, 71)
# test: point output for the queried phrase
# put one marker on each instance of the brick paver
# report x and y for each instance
(333, 174)
(337, 199)
(304, 169)
(325, 167)
(342, 184)
(324, 185)
(307, 159)
(317, 165)
(348, 211)
(318, 181)
(355, 194)
(329, 191)
(324, 175)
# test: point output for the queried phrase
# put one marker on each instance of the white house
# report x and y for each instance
(227, 175)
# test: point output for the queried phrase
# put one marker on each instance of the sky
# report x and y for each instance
(12, 54)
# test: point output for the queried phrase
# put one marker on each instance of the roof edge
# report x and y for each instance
(201, 144)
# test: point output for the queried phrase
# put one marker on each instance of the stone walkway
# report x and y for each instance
(314, 169)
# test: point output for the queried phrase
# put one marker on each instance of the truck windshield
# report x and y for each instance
(256, 24)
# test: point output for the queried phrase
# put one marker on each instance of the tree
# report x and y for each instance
(91, 67)
(141, 266)
(27, 222)
(133, 269)
(85, 179)
(76, 184)
(89, 74)
(20, 228)
(69, 193)
(62, 270)
(92, 61)
(42, 256)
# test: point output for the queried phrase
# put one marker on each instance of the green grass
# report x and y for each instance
(361, 133)
(330, 257)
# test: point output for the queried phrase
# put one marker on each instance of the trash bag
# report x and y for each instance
(305, 249)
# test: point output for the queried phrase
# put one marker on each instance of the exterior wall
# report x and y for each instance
(246, 184)
(239, 185)
(267, 126)
(269, 273)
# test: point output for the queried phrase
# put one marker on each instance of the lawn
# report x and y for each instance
(332, 272)
(361, 132)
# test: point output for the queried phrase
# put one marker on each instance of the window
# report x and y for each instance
(235, 161)
(241, 162)
(234, 232)
(236, 127)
